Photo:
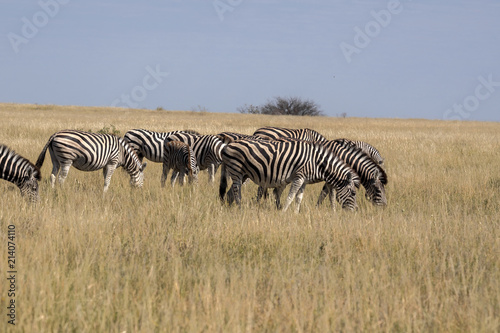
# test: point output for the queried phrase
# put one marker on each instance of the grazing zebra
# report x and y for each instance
(20, 172)
(207, 149)
(274, 164)
(273, 133)
(373, 176)
(91, 152)
(365, 147)
(149, 144)
(179, 157)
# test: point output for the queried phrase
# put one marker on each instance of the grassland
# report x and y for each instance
(178, 261)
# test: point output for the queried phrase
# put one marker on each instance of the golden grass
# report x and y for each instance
(176, 260)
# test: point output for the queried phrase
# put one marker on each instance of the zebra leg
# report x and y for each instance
(323, 194)
(55, 170)
(63, 173)
(211, 173)
(277, 195)
(331, 191)
(107, 173)
(164, 175)
(299, 196)
(56, 166)
(175, 174)
(223, 183)
(327, 190)
(296, 185)
(236, 192)
(260, 192)
(182, 174)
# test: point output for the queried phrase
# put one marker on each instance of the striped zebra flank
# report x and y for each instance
(365, 147)
(275, 164)
(206, 148)
(149, 144)
(21, 172)
(273, 133)
(90, 152)
(373, 176)
(180, 157)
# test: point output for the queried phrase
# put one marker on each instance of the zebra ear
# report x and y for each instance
(377, 174)
(144, 166)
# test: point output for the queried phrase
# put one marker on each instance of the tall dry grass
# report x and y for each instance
(176, 260)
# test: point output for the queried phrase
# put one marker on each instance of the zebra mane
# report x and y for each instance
(10, 152)
(190, 131)
(355, 149)
(383, 175)
(128, 149)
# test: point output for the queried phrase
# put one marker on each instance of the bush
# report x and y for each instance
(292, 106)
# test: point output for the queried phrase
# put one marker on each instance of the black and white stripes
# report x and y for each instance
(272, 158)
(273, 133)
(90, 152)
(207, 149)
(179, 157)
(365, 147)
(19, 171)
(373, 176)
(149, 144)
(275, 164)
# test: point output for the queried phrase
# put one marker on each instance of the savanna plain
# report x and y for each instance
(177, 260)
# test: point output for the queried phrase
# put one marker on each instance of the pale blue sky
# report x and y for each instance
(367, 58)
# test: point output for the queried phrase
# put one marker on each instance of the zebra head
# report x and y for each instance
(137, 178)
(375, 189)
(346, 191)
(29, 184)
(194, 173)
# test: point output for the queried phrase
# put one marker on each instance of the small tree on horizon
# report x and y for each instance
(293, 106)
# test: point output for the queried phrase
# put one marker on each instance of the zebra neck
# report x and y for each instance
(127, 160)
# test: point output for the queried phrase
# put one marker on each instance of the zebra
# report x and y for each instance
(149, 144)
(207, 149)
(365, 147)
(273, 133)
(90, 152)
(373, 177)
(228, 137)
(179, 157)
(21, 172)
(274, 164)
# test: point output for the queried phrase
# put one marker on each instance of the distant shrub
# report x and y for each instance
(290, 106)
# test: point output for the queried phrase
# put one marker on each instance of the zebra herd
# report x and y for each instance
(272, 158)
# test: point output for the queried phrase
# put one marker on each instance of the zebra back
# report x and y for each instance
(21, 172)
(365, 147)
(207, 148)
(273, 133)
(149, 144)
(228, 137)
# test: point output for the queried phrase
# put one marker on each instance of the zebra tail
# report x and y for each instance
(223, 182)
(41, 157)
